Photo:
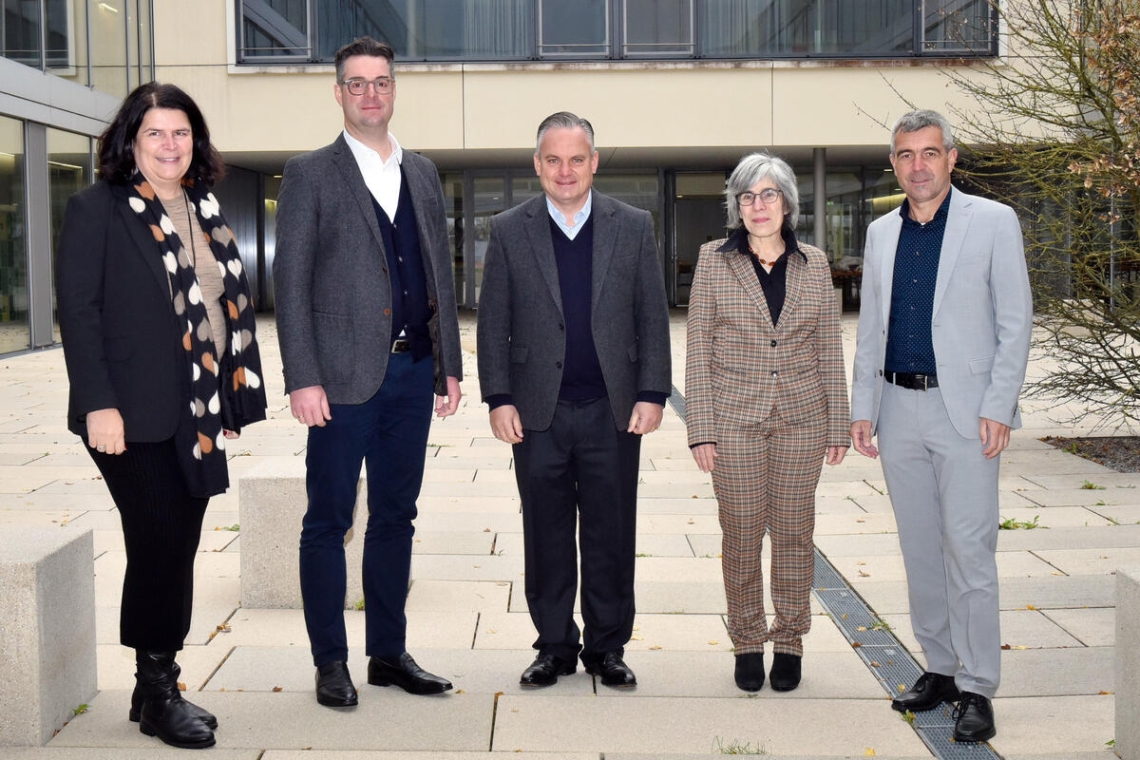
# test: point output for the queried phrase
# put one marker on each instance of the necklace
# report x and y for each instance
(763, 260)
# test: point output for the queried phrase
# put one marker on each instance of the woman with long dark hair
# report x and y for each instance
(158, 335)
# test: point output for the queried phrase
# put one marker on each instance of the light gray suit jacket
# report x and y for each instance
(521, 335)
(982, 320)
(333, 296)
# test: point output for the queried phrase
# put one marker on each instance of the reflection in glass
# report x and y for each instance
(658, 27)
(69, 171)
(453, 203)
(14, 333)
(490, 197)
(574, 27)
(108, 35)
(276, 28)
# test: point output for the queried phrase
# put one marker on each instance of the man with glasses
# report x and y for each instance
(573, 344)
(367, 323)
(942, 348)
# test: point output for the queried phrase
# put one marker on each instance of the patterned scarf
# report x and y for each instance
(226, 394)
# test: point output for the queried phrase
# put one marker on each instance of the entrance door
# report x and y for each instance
(698, 217)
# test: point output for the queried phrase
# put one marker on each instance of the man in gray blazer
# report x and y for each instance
(573, 343)
(367, 323)
(942, 347)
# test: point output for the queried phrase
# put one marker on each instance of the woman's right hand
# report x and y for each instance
(105, 431)
(705, 456)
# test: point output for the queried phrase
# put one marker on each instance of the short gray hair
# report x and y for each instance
(563, 120)
(753, 168)
(921, 119)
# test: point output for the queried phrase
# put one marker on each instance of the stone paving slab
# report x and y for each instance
(387, 719)
(154, 751)
(1060, 726)
(1092, 626)
(1057, 672)
(661, 724)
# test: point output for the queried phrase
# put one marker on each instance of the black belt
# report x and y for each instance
(401, 346)
(911, 380)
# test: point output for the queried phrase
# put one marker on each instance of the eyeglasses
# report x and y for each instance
(358, 87)
(767, 195)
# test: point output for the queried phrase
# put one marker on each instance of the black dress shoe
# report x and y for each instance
(613, 671)
(545, 669)
(785, 674)
(929, 691)
(334, 685)
(749, 673)
(974, 719)
(405, 673)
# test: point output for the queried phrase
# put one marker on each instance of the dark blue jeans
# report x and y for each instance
(389, 434)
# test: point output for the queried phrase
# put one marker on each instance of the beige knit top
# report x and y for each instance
(204, 263)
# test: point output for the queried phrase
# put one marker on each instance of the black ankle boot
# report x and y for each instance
(137, 700)
(163, 712)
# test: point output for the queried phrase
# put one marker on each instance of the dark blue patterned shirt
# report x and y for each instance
(910, 346)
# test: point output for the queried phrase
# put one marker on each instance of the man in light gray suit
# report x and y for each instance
(942, 347)
(367, 322)
(573, 343)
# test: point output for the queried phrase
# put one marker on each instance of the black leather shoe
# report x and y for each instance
(785, 674)
(545, 669)
(613, 671)
(163, 712)
(406, 674)
(334, 685)
(749, 673)
(974, 719)
(929, 691)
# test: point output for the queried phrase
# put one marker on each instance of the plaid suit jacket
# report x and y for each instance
(741, 368)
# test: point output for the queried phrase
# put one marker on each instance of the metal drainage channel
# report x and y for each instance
(881, 652)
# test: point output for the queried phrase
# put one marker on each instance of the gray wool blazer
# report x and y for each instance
(333, 296)
(521, 335)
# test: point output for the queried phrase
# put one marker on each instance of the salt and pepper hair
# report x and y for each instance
(921, 119)
(563, 120)
(753, 168)
(364, 46)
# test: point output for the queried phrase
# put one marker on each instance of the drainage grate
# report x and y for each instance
(886, 658)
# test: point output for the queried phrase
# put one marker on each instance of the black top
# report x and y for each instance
(774, 283)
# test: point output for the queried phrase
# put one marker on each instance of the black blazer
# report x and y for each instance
(121, 339)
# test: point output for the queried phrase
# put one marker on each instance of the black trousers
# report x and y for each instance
(162, 524)
(581, 472)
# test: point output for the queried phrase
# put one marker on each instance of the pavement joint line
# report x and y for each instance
(879, 649)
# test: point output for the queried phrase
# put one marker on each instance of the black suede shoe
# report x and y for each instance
(545, 669)
(785, 674)
(334, 685)
(613, 671)
(193, 709)
(974, 719)
(929, 691)
(405, 673)
(749, 673)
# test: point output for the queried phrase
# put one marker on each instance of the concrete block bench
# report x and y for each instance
(1128, 663)
(47, 651)
(271, 503)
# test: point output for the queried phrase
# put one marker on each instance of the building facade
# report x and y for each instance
(677, 90)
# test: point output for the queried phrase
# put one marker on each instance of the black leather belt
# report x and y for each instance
(911, 380)
(401, 346)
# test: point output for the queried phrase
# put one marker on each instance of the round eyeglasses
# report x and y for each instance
(383, 85)
(767, 195)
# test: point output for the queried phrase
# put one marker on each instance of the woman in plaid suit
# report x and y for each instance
(766, 399)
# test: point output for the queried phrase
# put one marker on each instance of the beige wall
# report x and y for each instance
(479, 106)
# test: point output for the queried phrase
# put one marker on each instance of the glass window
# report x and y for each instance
(14, 333)
(20, 32)
(69, 171)
(275, 28)
(487, 29)
(453, 203)
(574, 28)
(658, 27)
(108, 20)
(67, 41)
(958, 26)
(391, 21)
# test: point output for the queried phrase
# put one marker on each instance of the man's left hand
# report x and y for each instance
(646, 418)
(995, 436)
(445, 406)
